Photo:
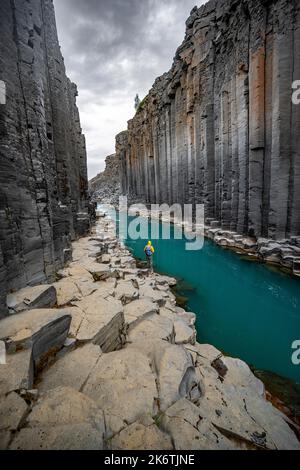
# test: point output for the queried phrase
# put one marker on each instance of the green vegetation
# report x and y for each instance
(141, 106)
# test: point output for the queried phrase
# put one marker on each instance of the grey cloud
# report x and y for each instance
(114, 49)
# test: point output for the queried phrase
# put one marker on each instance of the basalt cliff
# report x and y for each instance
(220, 127)
(105, 187)
(43, 173)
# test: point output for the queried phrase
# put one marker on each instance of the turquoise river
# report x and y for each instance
(243, 308)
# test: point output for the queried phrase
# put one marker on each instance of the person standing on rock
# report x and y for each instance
(149, 252)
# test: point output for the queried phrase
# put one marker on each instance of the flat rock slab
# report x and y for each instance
(156, 326)
(43, 330)
(123, 385)
(240, 374)
(13, 410)
(99, 271)
(66, 292)
(137, 436)
(103, 322)
(155, 295)
(139, 310)
(190, 431)
(31, 297)
(17, 373)
(62, 419)
(184, 334)
(126, 292)
(72, 370)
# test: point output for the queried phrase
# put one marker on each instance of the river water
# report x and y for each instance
(243, 308)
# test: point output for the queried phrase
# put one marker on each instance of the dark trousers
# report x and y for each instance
(150, 262)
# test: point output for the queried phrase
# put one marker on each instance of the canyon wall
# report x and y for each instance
(105, 187)
(220, 128)
(43, 173)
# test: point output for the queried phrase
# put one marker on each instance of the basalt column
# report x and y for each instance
(220, 128)
(43, 174)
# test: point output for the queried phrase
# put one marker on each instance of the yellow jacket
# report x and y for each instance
(151, 248)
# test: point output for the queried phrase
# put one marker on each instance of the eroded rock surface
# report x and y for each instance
(125, 370)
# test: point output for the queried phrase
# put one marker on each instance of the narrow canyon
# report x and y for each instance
(95, 352)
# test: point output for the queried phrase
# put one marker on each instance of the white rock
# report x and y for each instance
(123, 385)
(72, 370)
(62, 419)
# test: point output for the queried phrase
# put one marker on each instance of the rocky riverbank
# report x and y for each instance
(104, 359)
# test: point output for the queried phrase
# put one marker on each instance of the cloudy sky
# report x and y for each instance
(114, 49)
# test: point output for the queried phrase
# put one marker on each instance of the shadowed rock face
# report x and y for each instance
(220, 128)
(106, 185)
(43, 174)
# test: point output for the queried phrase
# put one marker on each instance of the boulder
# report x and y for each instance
(66, 292)
(62, 419)
(17, 373)
(126, 292)
(72, 370)
(123, 385)
(99, 271)
(43, 330)
(103, 322)
(31, 297)
(161, 280)
(105, 259)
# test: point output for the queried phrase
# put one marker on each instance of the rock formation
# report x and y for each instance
(105, 187)
(43, 174)
(220, 127)
(117, 366)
